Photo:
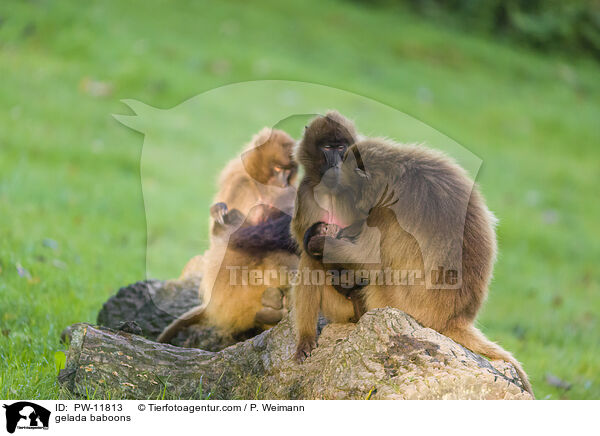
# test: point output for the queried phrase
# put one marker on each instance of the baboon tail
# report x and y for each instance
(474, 340)
(192, 316)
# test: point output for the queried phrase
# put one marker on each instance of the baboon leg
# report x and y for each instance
(192, 316)
(307, 302)
(470, 337)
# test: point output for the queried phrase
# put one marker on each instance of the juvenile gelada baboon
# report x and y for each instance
(249, 230)
(253, 188)
(369, 204)
(261, 176)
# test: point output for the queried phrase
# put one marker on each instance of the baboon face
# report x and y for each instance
(282, 164)
(271, 160)
(323, 147)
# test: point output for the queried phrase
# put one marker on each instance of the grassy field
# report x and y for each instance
(72, 219)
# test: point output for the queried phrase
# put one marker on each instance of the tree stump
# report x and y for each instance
(386, 355)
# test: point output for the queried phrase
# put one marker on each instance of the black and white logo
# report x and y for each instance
(26, 415)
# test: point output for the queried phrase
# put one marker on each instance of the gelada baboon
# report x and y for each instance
(249, 231)
(255, 187)
(390, 207)
(257, 182)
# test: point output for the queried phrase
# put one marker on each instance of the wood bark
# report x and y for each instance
(386, 355)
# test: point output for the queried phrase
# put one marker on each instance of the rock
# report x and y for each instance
(152, 304)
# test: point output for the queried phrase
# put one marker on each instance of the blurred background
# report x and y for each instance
(517, 83)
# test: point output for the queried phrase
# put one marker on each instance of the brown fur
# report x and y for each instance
(249, 187)
(249, 180)
(417, 206)
(193, 267)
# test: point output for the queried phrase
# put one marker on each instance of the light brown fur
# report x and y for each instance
(248, 180)
(246, 184)
(434, 216)
(193, 267)
(233, 308)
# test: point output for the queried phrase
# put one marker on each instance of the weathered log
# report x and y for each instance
(386, 355)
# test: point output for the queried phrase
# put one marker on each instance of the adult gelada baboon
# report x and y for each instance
(391, 207)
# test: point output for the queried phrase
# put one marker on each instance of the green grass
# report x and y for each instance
(70, 173)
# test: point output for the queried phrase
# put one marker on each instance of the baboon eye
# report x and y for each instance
(277, 169)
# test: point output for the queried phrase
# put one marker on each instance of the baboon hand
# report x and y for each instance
(316, 245)
(316, 236)
(218, 212)
(304, 348)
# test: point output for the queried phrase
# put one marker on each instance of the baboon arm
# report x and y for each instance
(307, 212)
(236, 192)
(363, 249)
